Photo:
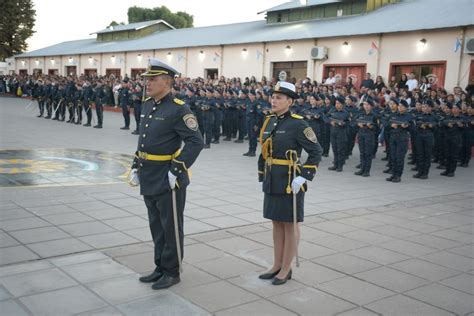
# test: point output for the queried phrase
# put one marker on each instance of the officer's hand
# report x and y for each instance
(450, 125)
(171, 180)
(369, 125)
(404, 125)
(360, 125)
(133, 179)
(460, 124)
(341, 123)
(297, 183)
(394, 125)
(333, 123)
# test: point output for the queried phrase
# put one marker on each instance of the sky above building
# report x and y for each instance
(65, 20)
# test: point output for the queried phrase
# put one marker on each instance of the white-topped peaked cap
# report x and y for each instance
(158, 68)
(286, 88)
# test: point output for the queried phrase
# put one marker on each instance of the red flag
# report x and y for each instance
(373, 45)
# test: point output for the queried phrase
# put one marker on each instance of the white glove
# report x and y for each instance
(133, 179)
(297, 183)
(171, 180)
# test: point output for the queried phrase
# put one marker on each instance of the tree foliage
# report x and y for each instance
(179, 19)
(17, 19)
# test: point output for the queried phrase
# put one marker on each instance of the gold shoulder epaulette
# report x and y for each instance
(146, 99)
(178, 101)
(296, 116)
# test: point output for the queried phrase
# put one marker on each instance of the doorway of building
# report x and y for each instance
(435, 71)
(112, 71)
(343, 72)
(90, 72)
(295, 70)
(136, 72)
(211, 73)
(37, 72)
(23, 72)
(71, 70)
(53, 72)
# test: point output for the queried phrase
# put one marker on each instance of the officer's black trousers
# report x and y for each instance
(386, 137)
(41, 106)
(88, 111)
(72, 111)
(99, 110)
(126, 115)
(49, 105)
(424, 146)
(160, 217)
(252, 133)
(366, 148)
(208, 121)
(466, 149)
(235, 122)
(242, 124)
(351, 134)
(326, 138)
(218, 118)
(228, 126)
(79, 113)
(137, 111)
(452, 150)
(398, 150)
(199, 117)
(413, 135)
(339, 146)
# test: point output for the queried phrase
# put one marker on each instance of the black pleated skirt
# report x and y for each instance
(279, 207)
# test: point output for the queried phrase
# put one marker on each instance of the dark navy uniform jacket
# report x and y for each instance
(164, 125)
(365, 119)
(399, 119)
(287, 132)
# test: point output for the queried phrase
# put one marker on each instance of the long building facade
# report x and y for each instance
(383, 37)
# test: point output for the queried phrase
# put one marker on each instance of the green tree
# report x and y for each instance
(17, 19)
(114, 23)
(178, 20)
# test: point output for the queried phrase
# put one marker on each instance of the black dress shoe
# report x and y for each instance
(47, 117)
(207, 146)
(396, 179)
(87, 124)
(165, 282)
(239, 141)
(125, 128)
(339, 169)
(215, 142)
(444, 173)
(390, 178)
(41, 115)
(366, 174)
(249, 154)
(135, 132)
(358, 173)
(417, 176)
(332, 168)
(424, 177)
(98, 126)
(277, 281)
(155, 276)
(268, 275)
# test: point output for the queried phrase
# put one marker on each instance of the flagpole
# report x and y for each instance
(461, 55)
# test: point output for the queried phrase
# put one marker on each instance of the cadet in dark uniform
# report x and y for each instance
(283, 136)
(162, 166)
(137, 97)
(87, 95)
(39, 96)
(468, 137)
(251, 124)
(400, 124)
(99, 96)
(339, 120)
(425, 124)
(453, 126)
(366, 124)
(124, 99)
(207, 108)
(218, 111)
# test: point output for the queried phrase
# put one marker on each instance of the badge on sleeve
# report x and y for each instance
(310, 135)
(191, 122)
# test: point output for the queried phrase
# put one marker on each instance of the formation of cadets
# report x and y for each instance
(436, 125)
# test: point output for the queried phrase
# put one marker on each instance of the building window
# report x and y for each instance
(279, 17)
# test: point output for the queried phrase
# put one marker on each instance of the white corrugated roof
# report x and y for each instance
(408, 15)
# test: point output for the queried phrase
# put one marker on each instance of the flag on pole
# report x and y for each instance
(373, 48)
(457, 45)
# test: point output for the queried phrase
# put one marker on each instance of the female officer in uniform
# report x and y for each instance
(283, 136)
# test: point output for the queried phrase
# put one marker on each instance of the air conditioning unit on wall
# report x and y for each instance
(469, 46)
(319, 52)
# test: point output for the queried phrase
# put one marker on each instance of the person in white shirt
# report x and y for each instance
(412, 83)
(330, 80)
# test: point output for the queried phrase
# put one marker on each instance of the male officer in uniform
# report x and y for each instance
(124, 96)
(161, 166)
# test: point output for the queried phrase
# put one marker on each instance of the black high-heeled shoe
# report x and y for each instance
(268, 275)
(277, 281)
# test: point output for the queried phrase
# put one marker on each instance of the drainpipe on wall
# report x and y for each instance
(264, 54)
(222, 61)
(377, 68)
(125, 64)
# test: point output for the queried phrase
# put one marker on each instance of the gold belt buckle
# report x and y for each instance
(144, 155)
(269, 161)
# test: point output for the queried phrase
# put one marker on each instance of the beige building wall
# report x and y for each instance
(258, 59)
(197, 62)
(243, 60)
(176, 58)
